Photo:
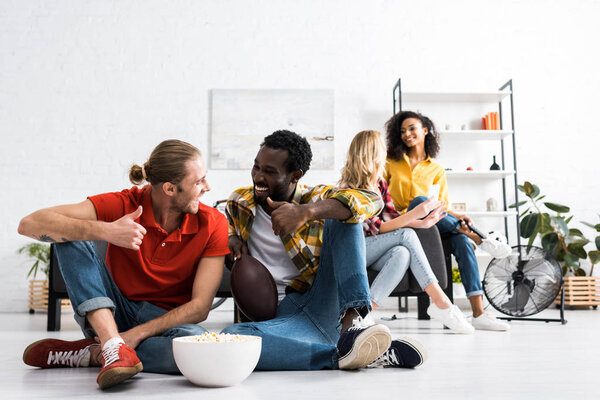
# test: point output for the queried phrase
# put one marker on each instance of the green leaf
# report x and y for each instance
(564, 270)
(577, 241)
(514, 205)
(560, 225)
(559, 208)
(594, 256)
(545, 225)
(549, 242)
(528, 188)
(536, 191)
(529, 224)
(575, 232)
(571, 260)
(577, 250)
(531, 240)
(521, 188)
(569, 219)
(524, 212)
(579, 272)
(597, 242)
(539, 198)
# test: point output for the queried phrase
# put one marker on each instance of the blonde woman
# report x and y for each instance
(391, 247)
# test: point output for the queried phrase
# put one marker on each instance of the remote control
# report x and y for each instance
(477, 231)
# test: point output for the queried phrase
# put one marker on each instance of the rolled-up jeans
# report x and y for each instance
(462, 249)
(90, 287)
(392, 253)
(305, 331)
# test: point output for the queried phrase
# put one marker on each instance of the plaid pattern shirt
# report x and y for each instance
(372, 225)
(304, 245)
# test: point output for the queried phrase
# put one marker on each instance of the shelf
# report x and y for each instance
(443, 97)
(474, 135)
(479, 174)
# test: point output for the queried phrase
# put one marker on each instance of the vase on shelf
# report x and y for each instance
(495, 166)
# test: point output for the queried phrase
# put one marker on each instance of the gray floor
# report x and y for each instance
(534, 360)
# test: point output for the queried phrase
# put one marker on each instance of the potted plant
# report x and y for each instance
(564, 243)
(38, 288)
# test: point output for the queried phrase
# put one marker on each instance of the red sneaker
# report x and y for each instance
(119, 362)
(54, 353)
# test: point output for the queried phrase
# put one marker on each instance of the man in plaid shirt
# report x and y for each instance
(312, 242)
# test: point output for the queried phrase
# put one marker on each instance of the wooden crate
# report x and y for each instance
(38, 296)
(581, 291)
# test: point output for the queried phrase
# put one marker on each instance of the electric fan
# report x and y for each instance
(524, 283)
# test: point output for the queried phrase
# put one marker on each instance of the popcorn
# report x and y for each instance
(211, 337)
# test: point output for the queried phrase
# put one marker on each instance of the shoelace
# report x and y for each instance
(358, 323)
(387, 358)
(111, 354)
(70, 358)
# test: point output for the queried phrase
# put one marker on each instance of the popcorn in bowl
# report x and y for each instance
(211, 337)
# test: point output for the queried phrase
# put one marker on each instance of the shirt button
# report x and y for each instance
(163, 245)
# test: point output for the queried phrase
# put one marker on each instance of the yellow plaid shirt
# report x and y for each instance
(304, 245)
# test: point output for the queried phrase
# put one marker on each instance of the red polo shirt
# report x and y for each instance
(162, 271)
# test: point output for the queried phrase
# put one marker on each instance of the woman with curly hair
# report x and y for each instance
(412, 142)
(391, 246)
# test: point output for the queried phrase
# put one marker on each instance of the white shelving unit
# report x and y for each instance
(478, 100)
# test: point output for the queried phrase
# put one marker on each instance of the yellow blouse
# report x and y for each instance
(405, 183)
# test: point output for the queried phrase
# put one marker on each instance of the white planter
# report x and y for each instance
(459, 291)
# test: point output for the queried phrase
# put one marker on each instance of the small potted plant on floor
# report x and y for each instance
(38, 288)
(458, 290)
(564, 243)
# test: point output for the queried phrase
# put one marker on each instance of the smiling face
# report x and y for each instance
(413, 133)
(271, 177)
(192, 187)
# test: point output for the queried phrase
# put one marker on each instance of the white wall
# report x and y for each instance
(86, 88)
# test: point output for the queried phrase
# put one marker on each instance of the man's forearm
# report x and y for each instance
(192, 312)
(328, 209)
(49, 226)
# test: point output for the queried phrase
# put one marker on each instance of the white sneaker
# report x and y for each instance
(486, 322)
(495, 248)
(451, 317)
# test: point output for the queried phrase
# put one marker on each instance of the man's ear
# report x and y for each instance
(296, 175)
(169, 189)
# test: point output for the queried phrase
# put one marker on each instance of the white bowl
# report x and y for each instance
(217, 364)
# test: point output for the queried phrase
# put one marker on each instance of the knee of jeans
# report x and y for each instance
(399, 252)
(240, 329)
(185, 330)
(409, 234)
(416, 201)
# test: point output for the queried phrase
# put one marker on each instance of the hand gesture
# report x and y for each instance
(430, 220)
(125, 232)
(426, 207)
(286, 217)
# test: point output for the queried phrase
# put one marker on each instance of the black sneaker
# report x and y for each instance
(403, 353)
(362, 344)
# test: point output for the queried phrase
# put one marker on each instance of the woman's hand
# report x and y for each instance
(426, 207)
(429, 220)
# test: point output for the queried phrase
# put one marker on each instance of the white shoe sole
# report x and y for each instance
(371, 344)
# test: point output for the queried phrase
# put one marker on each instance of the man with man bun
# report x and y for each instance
(162, 269)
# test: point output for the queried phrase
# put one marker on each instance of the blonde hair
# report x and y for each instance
(365, 162)
(166, 163)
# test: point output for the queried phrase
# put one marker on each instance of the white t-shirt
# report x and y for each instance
(267, 248)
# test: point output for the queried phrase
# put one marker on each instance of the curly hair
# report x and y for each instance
(396, 147)
(298, 148)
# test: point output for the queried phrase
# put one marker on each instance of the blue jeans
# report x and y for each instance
(91, 287)
(305, 331)
(462, 249)
(391, 254)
